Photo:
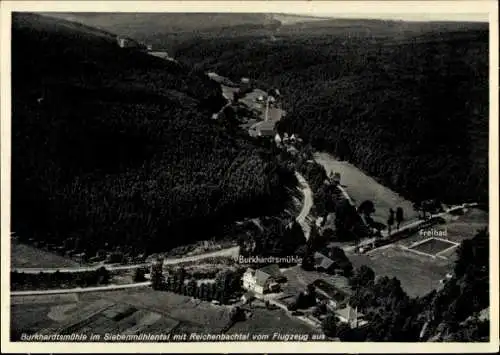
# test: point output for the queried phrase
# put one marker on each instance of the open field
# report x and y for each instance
(457, 227)
(120, 312)
(178, 307)
(264, 321)
(418, 274)
(362, 187)
(23, 255)
(134, 312)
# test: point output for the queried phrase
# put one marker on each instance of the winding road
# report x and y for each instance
(307, 204)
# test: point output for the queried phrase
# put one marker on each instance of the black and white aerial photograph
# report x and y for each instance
(287, 176)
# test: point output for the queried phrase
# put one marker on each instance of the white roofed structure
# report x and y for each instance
(277, 138)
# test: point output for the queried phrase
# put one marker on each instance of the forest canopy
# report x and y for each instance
(114, 147)
(411, 110)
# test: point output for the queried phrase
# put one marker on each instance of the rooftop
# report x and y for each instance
(344, 313)
(265, 126)
(249, 295)
(337, 288)
(263, 274)
(322, 261)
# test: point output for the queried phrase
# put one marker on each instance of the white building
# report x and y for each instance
(277, 139)
(263, 280)
(351, 316)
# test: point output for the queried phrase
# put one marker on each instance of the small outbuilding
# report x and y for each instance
(247, 297)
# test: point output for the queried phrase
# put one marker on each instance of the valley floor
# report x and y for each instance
(361, 187)
(419, 274)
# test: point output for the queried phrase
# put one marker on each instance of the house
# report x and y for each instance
(274, 271)
(265, 129)
(248, 297)
(322, 262)
(334, 293)
(124, 42)
(351, 316)
(263, 280)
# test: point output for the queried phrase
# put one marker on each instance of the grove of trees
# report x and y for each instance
(58, 279)
(225, 286)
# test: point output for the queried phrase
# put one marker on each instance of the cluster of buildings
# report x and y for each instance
(334, 295)
(126, 42)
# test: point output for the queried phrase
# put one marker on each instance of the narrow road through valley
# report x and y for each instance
(228, 252)
(307, 204)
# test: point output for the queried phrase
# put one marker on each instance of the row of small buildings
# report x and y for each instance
(126, 42)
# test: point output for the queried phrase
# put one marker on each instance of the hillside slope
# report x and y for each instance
(410, 110)
(166, 30)
(113, 147)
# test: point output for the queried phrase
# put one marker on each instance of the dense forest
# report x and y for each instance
(411, 111)
(113, 147)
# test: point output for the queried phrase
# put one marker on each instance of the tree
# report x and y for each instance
(390, 221)
(315, 240)
(293, 238)
(237, 314)
(211, 291)
(417, 206)
(346, 218)
(157, 277)
(103, 275)
(364, 276)
(329, 325)
(366, 208)
(292, 306)
(226, 283)
(308, 259)
(116, 257)
(139, 275)
(399, 216)
(316, 312)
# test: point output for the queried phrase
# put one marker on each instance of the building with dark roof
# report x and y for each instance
(265, 129)
(335, 291)
(323, 262)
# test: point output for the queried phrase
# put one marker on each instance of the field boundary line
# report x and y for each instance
(447, 249)
(446, 240)
(419, 242)
(433, 256)
(78, 290)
